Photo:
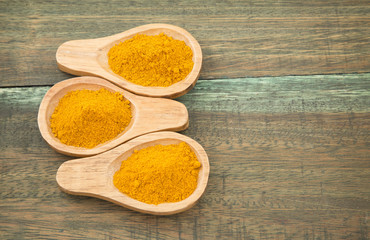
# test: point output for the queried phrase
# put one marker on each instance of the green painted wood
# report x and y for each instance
(277, 172)
(238, 38)
(288, 94)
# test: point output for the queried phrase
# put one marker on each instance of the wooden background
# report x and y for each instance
(282, 108)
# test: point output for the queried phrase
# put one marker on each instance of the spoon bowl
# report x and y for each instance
(148, 115)
(93, 176)
(89, 57)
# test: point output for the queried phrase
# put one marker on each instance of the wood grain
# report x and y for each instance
(297, 170)
(238, 38)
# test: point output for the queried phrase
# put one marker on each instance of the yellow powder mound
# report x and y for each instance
(86, 118)
(151, 60)
(159, 174)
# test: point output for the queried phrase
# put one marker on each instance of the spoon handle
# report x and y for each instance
(159, 114)
(72, 57)
(85, 176)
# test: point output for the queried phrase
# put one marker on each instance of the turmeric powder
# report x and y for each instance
(87, 118)
(159, 174)
(156, 60)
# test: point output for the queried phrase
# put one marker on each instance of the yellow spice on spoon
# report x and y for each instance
(159, 174)
(87, 118)
(156, 61)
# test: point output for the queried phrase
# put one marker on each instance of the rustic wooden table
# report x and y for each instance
(282, 108)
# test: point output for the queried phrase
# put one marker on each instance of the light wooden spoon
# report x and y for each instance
(148, 115)
(93, 176)
(89, 57)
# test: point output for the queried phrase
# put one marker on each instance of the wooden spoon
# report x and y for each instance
(93, 176)
(148, 115)
(89, 57)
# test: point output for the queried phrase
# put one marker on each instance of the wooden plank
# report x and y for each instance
(282, 172)
(288, 94)
(238, 38)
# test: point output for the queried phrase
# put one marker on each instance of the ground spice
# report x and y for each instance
(158, 174)
(86, 118)
(156, 60)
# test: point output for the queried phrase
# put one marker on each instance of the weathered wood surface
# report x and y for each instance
(238, 38)
(289, 159)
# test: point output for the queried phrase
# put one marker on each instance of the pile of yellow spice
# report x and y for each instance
(87, 118)
(156, 61)
(159, 174)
